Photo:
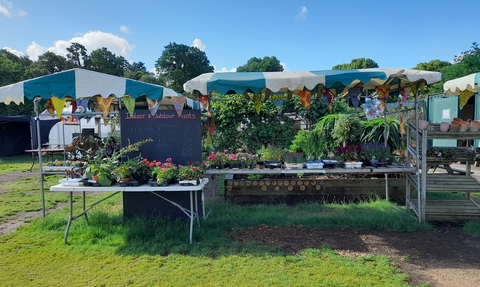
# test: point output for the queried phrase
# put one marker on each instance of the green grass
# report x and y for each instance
(110, 251)
(16, 163)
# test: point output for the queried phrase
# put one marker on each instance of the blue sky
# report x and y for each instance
(303, 35)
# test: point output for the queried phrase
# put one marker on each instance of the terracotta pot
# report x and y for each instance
(464, 126)
(457, 120)
(455, 124)
(95, 177)
(475, 123)
(422, 124)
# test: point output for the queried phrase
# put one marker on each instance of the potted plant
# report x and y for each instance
(191, 174)
(293, 160)
(350, 155)
(123, 172)
(272, 156)
(217, 160)
(375, 153)
(166, 173)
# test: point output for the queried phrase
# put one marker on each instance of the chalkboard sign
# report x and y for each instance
(178, 137)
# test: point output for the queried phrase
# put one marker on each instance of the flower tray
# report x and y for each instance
(191, 182)
(315, 165)
(129, 183)
(71, 182)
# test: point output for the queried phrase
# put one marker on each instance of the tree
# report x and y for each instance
(78, 57)
(52, 63)
(433, 65)
(11, 68)
(359, 63)
(104, 61)
(180, 63)
(267, 64)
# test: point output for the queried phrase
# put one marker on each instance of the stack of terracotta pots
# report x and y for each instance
(455, 125)
(475, 126)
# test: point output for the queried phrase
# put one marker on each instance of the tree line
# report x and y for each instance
(179, 63)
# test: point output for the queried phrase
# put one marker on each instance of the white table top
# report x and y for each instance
(141, 188)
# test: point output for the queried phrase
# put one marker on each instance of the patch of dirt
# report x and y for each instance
(444, 257)
(13, 222)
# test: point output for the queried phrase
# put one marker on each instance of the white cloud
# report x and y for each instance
(22, 13)
(13, 51)
(125, 29)
(4, 11)
(34, 50)
(302, 15)
(223, 70)
(198, 43)
(284, 65)
(94, 40)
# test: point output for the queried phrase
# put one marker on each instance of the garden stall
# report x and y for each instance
(86, 90)
(326, 84)
(434, 138)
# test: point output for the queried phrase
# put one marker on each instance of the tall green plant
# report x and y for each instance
(375, 130)
(347, 130)
(325, 127)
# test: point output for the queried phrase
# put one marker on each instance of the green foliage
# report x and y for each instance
(271, 153)
(325, 126)
(318, 109)
(375, 130)
(359, 63)
(104, 61)
(315, 146)
(347, 130)
(299, 141)
(240, 127)
(267, 64)
(180, 63)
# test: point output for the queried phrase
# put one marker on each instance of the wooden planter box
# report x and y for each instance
(293, 190)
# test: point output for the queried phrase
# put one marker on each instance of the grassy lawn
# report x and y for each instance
(108, 251)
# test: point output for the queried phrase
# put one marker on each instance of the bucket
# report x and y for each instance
(444, 126)
(422, 124)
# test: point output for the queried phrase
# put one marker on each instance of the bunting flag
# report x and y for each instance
(129, 103)
(413, 87)
(305, 98)
(178, 103)
(257, 102)
(400, 118)
(97, 120)
(211, 126)
(58, 105)
(153, 105)
(105, 105)
(354, 94)
(328, 97)
(382, 92)
(82, 103)
(403, 94)
(106, 121)
(74, 106)
(464, 96)
(208, 141)
(49, 107)
(204, 101)
(278, 101)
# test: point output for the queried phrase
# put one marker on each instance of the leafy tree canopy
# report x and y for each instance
(267, 64)
(433, 65)
(180, 63)
(359, 63)
(78, 57)
(104, 61)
